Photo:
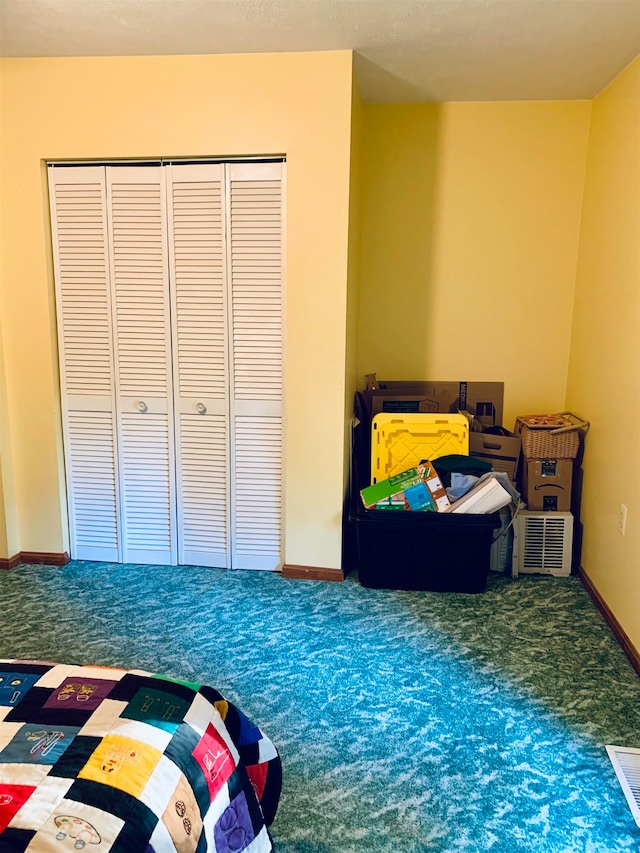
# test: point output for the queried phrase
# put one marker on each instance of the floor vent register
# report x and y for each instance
(626, 763)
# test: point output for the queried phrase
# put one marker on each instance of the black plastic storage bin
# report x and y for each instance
(439, 552)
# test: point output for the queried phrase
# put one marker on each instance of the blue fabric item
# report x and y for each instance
(460, 485)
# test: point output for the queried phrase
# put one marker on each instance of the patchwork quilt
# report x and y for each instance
(124, 761)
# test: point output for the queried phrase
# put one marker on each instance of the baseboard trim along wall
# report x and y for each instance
(316, 573)
(627, 646)
(311, 573)
(41, 558)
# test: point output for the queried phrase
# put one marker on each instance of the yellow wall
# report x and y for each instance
(471, 217)
(9, 540)
(604, 368)
(352, 383)
(293, 104)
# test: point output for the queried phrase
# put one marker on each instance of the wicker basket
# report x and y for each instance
(554, 436)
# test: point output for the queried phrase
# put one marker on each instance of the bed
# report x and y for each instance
(102, 759)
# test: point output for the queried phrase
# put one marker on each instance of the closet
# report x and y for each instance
(169, 301)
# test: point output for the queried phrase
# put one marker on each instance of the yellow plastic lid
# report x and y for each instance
(402, 441)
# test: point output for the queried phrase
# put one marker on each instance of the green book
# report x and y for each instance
(371, 495)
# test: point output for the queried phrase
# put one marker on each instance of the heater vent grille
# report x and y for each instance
(542, 543)
(626, 763)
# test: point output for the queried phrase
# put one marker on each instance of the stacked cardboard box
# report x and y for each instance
(481, 400)
(546, 484)
(502, 452)
(550, 445)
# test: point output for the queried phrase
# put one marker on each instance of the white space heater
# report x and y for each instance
(542, 543)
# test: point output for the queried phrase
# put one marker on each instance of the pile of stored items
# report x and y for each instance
(439, 495)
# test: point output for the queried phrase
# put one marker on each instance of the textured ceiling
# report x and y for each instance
(406, 50)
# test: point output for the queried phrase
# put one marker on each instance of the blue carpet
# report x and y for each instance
(406, 721)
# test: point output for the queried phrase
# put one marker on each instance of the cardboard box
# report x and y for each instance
(436, 489)
(483, 400)
(418, 489)
(502, 452)
(546, 484)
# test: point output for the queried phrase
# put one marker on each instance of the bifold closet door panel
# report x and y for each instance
(170, 311)
(255, 321)
(136, 205)
(83, 295)
(196, 205)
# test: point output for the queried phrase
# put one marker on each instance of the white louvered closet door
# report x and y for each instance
(255, 323)
(170, 315)
(201, 376)
(80, 242)
(136, 204)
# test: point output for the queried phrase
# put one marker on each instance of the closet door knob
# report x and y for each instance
(201, 408)
(142, 407)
